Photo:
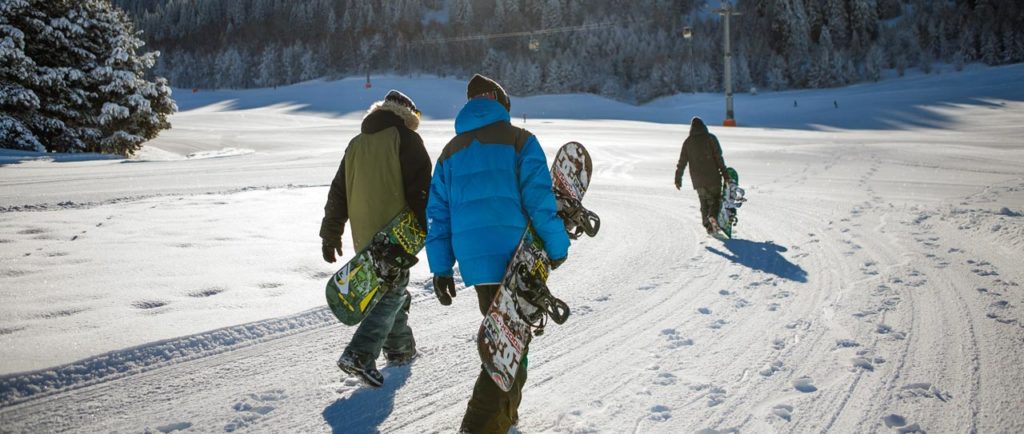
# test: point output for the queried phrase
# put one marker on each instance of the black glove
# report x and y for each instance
(329, 251)
(679, 184)
(444, 289)
(555, 263)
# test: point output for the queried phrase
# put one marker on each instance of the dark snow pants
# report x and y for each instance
(490, 409)
(710, 203)
(386, 326)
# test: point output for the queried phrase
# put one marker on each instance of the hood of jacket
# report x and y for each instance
(697, 127)
(386, 114)
(478, 113)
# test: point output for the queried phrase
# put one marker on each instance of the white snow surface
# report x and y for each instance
(874, 285)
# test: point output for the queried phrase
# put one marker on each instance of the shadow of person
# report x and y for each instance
(367, 408)
(762, 256)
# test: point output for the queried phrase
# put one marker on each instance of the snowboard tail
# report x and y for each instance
(357, 287)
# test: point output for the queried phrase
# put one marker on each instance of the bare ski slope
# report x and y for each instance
(874, 284)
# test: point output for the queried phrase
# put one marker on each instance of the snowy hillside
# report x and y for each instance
(874, 284)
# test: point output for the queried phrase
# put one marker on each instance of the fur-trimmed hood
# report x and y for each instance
(405, 114)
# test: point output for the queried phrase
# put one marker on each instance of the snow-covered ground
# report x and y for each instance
(874, 284)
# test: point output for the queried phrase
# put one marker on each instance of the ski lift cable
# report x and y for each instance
(566, 29)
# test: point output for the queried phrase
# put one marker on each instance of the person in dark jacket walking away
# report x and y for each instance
(707, 170)
(490, 181)
(385, 169)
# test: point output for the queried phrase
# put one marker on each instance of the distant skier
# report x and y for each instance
(707, 170)
(385, 168)
(490, 181)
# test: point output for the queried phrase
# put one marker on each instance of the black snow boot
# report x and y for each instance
(366, 371)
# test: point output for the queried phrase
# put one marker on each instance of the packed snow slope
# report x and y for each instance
(874, 284)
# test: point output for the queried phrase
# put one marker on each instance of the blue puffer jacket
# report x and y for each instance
(490, 180)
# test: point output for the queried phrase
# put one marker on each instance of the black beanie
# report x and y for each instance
(401, 98)
(479, 85)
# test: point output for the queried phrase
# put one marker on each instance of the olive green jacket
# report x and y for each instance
(385, 169)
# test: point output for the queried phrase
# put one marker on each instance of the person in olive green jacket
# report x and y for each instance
(707, 169)
(385, 169)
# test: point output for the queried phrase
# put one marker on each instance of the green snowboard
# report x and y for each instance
(732, 198)
(359, 284)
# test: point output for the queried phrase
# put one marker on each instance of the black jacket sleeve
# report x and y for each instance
(681, 165)
(719, 160)
(415, 162)
(336, 210)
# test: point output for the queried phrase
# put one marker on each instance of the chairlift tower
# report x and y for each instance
(688, 36)
(727, 12)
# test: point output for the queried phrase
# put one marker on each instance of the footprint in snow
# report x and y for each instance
(704, 311)
(717, 324)
(783, 411)
(665, 379)
(846, 343)
(716, 396)
(923, 390)
(206, 292)
(172, 427)
(862, 363)
(148, 304)
(675, 340)
(771, 368)
(778, 344)
(773, 307)
(805, 385)
(253, 407)
(998, 311)
(660, 413)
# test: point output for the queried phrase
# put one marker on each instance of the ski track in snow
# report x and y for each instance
(874, 286)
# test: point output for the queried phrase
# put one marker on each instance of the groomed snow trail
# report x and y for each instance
(874, 285)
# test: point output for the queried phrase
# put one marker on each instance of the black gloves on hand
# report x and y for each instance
(679, 184)
(555, 263)
(444, 289)
(329, 251)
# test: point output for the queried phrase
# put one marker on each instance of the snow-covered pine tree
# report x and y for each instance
(19, 105)
(75, 81)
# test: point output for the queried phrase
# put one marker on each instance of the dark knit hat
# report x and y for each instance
(479, 85)
(401, 98)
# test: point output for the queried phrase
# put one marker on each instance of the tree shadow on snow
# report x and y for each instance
(367, 408)
(762, 256)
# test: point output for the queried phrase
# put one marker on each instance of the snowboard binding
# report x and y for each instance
(541, 304)
(578, 220)
(390, 259)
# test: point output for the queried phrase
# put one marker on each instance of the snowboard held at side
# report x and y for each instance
(732, 198)
(355, 288)
(523, 302)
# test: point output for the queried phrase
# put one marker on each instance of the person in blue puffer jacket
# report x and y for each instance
(490, 181)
